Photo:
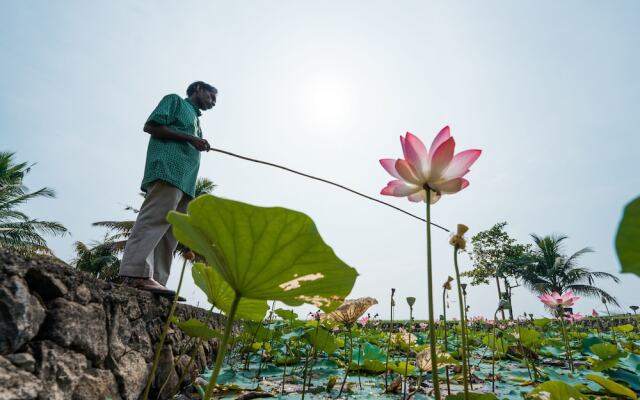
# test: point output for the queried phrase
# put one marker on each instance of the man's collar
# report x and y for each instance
(195, 107)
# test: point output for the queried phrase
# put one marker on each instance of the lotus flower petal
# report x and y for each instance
(407, 172)
(459, 165)
(441, 158)
(399, 188)
(416, 153)
(389, 164)
(440, 138)
(452, 186)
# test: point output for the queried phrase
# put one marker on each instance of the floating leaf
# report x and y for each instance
(542, 322)
(265, 253)
(628, 238)
(472, 396)
(555, 390)
(196, 328)
(286, 314)
(220, 294)
(608, 355)
(322, 340)
(612, 387)
(623, 328)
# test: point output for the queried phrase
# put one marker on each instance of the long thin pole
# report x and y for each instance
(325, 181)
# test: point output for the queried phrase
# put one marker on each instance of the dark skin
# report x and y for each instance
(204, 100)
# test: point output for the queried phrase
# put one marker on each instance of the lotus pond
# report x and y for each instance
(290, 358)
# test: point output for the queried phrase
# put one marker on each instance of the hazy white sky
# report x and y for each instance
(549, 91)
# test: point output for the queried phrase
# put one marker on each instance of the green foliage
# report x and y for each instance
(555, 390)
(628, 238)
(624, 328)
(19, 232)
(612, 387)
(608, 356)
(372, 358)
(286, 314)
(548, 269)
(265, 253)
(542, 322)
(321, 340)
(196, 328)
(220, 294)
(494, 253)
(530, 337)
(472, 396)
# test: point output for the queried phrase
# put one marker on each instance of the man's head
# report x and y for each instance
(202, 94)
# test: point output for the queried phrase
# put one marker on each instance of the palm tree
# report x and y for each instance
(98, 260)
(19, 232)
(547, 269)
(101, 259)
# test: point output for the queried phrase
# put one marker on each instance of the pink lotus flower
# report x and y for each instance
(573, 317)
(437, 168)
(555, 300)
(594, 313)
(363, 321)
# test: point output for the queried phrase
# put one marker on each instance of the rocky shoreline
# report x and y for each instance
(66, 335)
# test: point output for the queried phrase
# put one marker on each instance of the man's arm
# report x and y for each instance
(164, 132)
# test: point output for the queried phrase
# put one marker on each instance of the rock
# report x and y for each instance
(83, 295)
(21, 315)
(45, 284)
(131, 373)
(59, 369)
(166, 376)
(16, 383)
(78, 327)
(97, 384)
(22, 360)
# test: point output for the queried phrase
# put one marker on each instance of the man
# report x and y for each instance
(170, 173)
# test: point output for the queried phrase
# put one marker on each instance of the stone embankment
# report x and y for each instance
(67, 335)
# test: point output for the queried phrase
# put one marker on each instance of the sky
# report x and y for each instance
(548, 90)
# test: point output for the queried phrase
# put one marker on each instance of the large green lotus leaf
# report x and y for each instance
(529, 337)
(613, 387)
(286, 314)
(555, 390)
(628, 238)
(608, 355)
(630, 378)
(220, 294)
(265, 253)
(321, 340)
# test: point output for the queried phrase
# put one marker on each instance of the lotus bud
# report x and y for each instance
(604, 301)
(189, 255)
(411, 301)
(393, 291)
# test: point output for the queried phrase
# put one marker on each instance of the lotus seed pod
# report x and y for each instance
(504, 305)
(411, 301)
(462, 229)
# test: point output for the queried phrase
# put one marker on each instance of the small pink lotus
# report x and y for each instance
(363, 321)
(438, 169)
(594, 313)
(573, 317)
(555, 300)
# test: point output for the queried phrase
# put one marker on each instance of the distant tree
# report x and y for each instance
(548, 269)
(493, 254)
(98, 260)
(19, 232)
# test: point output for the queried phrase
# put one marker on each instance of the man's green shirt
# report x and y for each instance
(175, 162)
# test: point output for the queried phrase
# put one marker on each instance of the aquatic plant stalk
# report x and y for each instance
(406, 363)
(446, 343)
(432, 330)
(346, 372)
(163, 335)
(386, 362)
(463, 327)
(567, 344)
(222, 348)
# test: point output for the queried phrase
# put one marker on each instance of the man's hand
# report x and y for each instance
(200, 144)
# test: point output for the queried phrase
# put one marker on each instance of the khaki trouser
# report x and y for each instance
(150, 247)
